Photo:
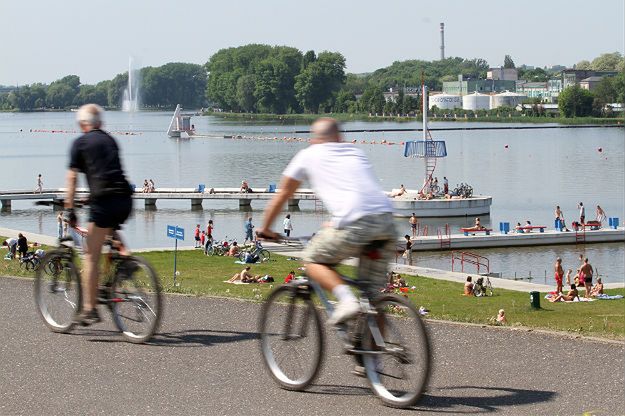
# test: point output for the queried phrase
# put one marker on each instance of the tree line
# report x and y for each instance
(259, 78)
(160, 87)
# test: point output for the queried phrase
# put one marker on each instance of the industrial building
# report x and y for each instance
(483, 86)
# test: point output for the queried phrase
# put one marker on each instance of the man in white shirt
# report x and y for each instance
(342, 177)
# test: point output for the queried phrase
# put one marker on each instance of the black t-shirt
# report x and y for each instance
(22, 243)
(97, 156)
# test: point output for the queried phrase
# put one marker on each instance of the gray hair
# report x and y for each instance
(90, 114)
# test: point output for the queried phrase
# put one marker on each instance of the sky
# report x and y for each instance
(44, 40)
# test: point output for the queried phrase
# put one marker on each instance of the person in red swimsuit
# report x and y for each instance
(559, 274)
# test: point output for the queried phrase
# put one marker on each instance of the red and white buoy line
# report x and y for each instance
(307, 140)
(119, 133)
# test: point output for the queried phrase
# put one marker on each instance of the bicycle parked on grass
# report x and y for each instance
(387, 338)
(131, 290)
(218, 248)
(30, 261)
(254, 253)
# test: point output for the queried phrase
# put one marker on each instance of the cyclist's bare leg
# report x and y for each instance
(327, 277)
(95, 239)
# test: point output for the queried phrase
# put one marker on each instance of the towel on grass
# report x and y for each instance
(609, 297)
(237, 282)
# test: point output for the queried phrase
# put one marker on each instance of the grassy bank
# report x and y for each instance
(309, 118)
(201, 275)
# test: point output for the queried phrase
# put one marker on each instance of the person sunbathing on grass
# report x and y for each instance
(571, 295)
(245, 276)
(597, 289)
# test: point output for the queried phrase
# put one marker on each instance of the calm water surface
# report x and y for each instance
(538, 170)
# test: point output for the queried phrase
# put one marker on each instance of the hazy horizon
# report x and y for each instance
(51, 40)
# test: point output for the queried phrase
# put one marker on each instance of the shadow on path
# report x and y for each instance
(481, 399)
(476, 399)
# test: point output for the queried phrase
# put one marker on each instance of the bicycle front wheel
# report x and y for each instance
(399, 369)
(291, 338)
(57, 291)
(136, 300)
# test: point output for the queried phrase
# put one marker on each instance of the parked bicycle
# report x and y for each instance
(255, 253)
(30, 261)
(388, 340)
(131, 289)
(219, 248)
(483, 287)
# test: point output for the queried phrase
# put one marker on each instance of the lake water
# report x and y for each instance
(527, 172)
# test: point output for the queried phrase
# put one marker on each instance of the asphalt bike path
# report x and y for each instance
(206, 361)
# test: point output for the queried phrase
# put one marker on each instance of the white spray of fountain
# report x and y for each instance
(130, 101)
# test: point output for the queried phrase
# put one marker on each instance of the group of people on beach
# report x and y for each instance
(582, 278)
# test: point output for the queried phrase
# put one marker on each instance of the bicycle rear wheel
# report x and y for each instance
(399, 373)
(291, 338)
(136, 299)
(57, 291)
(264, 255)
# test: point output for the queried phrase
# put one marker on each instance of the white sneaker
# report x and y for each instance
(344, 311)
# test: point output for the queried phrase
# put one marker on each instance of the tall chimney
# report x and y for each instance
(442, 41)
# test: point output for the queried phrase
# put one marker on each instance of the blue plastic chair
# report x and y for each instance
(201, 187)
(272, 188)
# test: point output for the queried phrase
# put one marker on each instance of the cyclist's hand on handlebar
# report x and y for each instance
(69, 216)
(265, 234)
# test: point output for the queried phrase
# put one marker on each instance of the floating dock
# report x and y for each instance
(547, 238)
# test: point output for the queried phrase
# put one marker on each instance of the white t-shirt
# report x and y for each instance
(342, 177)
(287, 224)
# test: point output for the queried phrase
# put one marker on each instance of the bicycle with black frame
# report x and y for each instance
(130, 288)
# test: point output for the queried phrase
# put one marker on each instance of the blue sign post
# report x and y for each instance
(177, 233)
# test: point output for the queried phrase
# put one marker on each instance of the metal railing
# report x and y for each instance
(463, 257)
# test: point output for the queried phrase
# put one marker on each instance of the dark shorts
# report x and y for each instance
(197, 238)
(413, 226)
(110, 212)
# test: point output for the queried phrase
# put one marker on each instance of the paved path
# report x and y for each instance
(206, 361)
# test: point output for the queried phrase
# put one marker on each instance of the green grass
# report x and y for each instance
(202, 275)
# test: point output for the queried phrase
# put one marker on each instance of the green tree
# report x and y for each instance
(607, 62)
(372, 100)
(246, 85)
(584, 64)
(534, 75)
(508, 62)
(575, 102)
(320, 80)
(345, 102)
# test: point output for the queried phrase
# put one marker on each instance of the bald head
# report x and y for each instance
(325, 130)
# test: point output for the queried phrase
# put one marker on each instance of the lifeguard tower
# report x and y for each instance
(421, 201)
(427, 149)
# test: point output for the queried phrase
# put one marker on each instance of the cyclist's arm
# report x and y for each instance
(288, 186)
(71, 177)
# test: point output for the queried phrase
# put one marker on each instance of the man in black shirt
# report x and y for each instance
(96, 154)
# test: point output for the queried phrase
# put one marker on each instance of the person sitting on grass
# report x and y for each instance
(597, 289)
(478, 287)
(501, 317)
(570, 296)
(468, 287)
(234, 250)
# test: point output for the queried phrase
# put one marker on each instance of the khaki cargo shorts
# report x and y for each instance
(330, 246)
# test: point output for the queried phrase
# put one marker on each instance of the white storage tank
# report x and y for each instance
(445, 101)
(506, 99)
(476, 101)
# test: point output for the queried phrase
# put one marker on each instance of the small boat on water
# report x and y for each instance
(180, 126)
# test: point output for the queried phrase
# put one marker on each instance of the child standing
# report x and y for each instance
(197, 236)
